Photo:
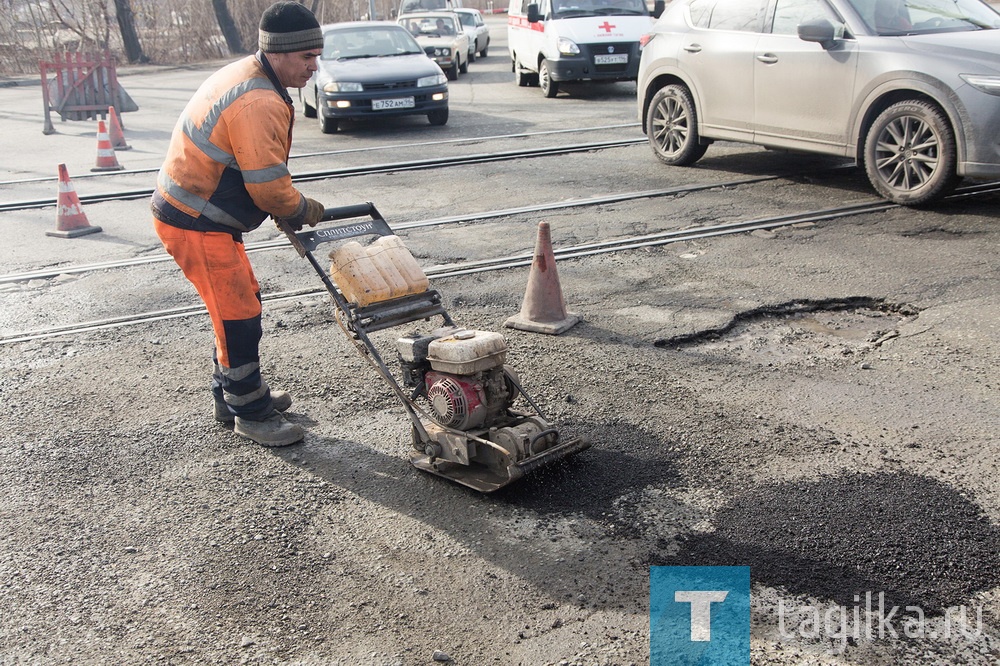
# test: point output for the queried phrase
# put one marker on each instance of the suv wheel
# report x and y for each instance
(910, 153)
(672, 127)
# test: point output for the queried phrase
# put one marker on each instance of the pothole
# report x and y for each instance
(802, 331)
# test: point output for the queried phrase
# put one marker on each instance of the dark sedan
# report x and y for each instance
(371, 70)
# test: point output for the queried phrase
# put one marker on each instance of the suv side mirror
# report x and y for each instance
(658, 8)
(533, 15)
(820, 31)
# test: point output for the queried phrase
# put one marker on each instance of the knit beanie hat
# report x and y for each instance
(288, 26)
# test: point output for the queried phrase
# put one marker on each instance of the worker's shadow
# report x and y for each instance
(589, 485)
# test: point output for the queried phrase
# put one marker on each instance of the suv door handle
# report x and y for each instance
(693, 48)
(767, 58)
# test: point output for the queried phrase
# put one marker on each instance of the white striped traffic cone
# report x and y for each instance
(106, 158)
(71, 221)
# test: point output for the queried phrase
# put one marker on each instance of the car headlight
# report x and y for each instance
(567, 47)
(342, 86)
(988, 84)
(442, 51)
(432, 80)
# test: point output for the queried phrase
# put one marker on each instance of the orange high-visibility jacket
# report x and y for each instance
(226, 168)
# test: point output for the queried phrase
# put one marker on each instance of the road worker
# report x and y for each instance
(225, 171)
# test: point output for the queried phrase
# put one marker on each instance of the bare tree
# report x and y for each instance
(228, 26)
(130, 38)
(162, 31)
(88, 21)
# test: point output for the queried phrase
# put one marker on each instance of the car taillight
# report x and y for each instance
(645, 39)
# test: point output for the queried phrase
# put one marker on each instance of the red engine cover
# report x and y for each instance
(457, 401)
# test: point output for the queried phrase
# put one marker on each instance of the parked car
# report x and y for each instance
(373, 69)
(477, 31)
(412, 6)
(442, 38)
(908, 88)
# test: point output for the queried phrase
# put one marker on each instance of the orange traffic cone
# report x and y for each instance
(543, 309)
(71, 221)
(106, 159)
(115, 131)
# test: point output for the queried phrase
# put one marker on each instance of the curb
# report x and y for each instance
(13, 83)
(124, 71)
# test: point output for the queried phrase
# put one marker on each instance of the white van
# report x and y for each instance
(551, 41)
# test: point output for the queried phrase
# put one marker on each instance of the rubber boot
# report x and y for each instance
(280, 400)
(272, 431)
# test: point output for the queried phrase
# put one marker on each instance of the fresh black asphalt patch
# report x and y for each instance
(916, 539)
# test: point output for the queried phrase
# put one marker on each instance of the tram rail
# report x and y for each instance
(263, 246)
(53, 271)
(501, 263)
(347, 172)
(347, 151)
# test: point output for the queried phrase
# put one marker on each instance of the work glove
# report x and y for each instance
(312, 216)
(314, 213)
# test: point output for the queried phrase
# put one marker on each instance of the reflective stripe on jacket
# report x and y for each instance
(226, 167)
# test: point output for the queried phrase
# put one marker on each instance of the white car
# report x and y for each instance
(442, 38)
(910, 89)
(477, 30)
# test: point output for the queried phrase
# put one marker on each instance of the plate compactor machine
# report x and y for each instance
(452, 381)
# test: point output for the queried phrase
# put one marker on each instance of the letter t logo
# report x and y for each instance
(701, 610)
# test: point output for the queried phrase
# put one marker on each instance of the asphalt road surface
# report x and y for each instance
(817, 401)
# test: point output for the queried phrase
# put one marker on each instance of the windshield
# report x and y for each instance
(368, 43)
(909, 17)
(569, 8)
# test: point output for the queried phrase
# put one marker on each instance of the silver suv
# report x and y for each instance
(908, 88)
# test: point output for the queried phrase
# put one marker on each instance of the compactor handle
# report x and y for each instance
(307, 240)
(347, 212)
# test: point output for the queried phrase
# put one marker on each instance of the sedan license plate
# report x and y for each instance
(394, 103)
(611, 59)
